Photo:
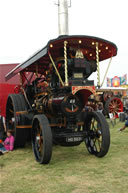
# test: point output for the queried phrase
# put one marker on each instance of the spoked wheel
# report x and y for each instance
(15, 103)
(98, 135)
(41, 139)
(114, 105)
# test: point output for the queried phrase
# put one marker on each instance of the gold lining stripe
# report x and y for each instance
(24, 126)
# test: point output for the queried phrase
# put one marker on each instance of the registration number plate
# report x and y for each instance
(74, 139)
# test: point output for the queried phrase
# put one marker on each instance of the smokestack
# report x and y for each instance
(63, 17)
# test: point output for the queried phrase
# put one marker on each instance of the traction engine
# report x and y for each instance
(51, 105)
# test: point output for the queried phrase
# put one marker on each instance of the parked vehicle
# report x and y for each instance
(53, 101)
(107, 101)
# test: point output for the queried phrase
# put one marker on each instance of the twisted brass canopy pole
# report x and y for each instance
(97, 62)
(65, 63)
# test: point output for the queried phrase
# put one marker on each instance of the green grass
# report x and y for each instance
(71, 170)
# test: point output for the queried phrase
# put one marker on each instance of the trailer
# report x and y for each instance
(7, 87)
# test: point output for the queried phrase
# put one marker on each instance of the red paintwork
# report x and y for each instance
(85, 92)
(6, 88)
(116, 106)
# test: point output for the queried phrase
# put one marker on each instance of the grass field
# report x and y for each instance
(71, 170)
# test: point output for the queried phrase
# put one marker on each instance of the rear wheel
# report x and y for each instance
(98, 136)
(41, 139)
(114, 105)
(15, 103)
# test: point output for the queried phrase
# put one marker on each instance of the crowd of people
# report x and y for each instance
(6, 137)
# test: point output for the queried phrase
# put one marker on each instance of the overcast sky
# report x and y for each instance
(27, 25)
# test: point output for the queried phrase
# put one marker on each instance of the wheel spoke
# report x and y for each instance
(11, 111)
(98, 139)
(39, 140)
(95, 142)
(114, 105)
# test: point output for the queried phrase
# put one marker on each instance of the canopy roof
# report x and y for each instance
(86, 44)
(112, 89)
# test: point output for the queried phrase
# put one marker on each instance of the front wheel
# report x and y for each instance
(98, 136)
(41, 139)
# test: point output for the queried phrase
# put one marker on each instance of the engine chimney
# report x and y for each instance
(63, 17)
